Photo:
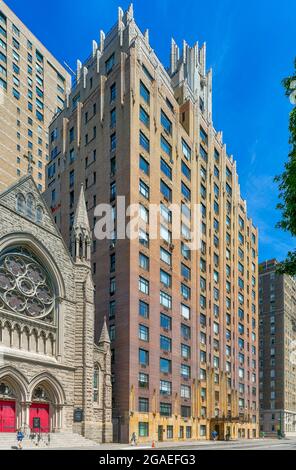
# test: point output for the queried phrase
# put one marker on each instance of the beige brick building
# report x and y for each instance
(50, 369)
(33, 86)
(277, 314)
(183, 323)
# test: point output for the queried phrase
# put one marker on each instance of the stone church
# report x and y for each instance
(52, 375)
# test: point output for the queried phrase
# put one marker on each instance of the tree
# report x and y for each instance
(287, 182)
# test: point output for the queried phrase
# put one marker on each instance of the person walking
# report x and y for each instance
(20, 437)
(134, 439)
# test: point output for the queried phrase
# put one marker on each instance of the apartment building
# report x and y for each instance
(277, 336)
(183, 322)
(33, 86)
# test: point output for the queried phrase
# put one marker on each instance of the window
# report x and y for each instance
(166, 147)
(144, 165)
(203, 136)
(165, 366)
(112, 93)
(144, 142)
(185, 351)
(112, 309)
(166, 213)
(143, 380)
(143, 357)
(165, 322)
(165, 190)
(165, 168)
(185, 411)
(185, 191)
(143, 405)
(144, 189)
(109, 64)
(147, 73)
(15, 30)
(144, 92)
(165, 388)
(185, 292)
(165, 343)
(143, 333)
(165, 409)
(166, 123)
(186, 171)
(16, 93)
(186, 150)
(203, 153)
(185, 332)
(185, 250)
(113, 118)
(144, 286)
(170, 432)
(144, 261)
(16, 68)
(165, 300)
(185, 312)
(143, 309)
(144, 117)
(165, 256)
(185, 371)
(113, 142)
(143, 429)
(143, 238)
(165, 279)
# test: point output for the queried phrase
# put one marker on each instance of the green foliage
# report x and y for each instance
(287, 187)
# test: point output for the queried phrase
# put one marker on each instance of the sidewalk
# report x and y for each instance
(161, 445)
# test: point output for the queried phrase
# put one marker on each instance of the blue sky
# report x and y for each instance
(251, 48)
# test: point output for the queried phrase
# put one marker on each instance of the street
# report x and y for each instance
(260, 444)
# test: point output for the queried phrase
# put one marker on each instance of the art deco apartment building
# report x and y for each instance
(33, 86)
(183, 323)
(277, 313)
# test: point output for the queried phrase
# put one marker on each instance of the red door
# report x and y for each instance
(41, 411)
(7, 416)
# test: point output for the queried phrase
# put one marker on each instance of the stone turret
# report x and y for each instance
(81, 233)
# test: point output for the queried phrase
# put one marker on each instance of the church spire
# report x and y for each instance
(81, 233)
(104, 338)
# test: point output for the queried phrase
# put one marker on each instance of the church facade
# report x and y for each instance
(53, 377)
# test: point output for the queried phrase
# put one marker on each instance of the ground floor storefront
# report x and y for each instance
(156, 428)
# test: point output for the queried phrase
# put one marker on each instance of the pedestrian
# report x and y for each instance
(20, 437)
(214, 435)
(134, 439)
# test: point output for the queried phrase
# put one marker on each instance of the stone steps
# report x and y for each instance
(57, 441)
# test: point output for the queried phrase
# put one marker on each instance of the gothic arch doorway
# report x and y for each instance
(40, 410)
(46, 404)
(7, 408)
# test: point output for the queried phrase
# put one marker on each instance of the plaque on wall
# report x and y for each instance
(36, 423)
(78, 415)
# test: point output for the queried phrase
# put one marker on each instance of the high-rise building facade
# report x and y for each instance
(277, 336)
(183, 323)
(33, 86)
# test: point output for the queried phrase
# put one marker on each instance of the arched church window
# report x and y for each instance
(25, 286)
(6, 391)
(39, 215)
(20, 203)
(96, 385)
(40, 394)
(30, 206)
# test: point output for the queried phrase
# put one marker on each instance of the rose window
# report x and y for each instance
(25, 287)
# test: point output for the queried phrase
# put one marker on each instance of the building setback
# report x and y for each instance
(183, 323)
(33, 86)
(277, 313)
